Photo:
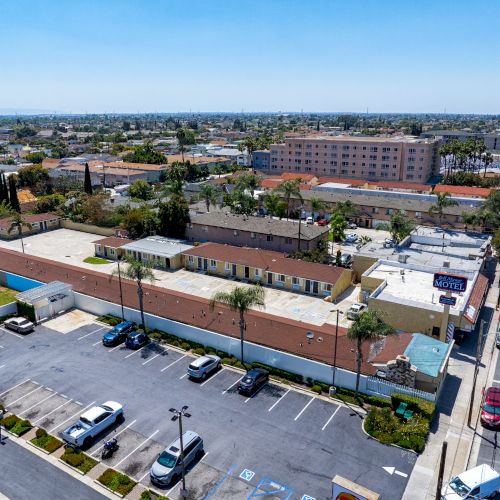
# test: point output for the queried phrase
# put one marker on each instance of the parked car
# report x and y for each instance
(20, 325)
(253, 380)
(309, 220)
(497, 340)
(204, 366)
(93, 422)
(351, 238)
(168, 466)
(345, 260)
(480, 482)
(118, 334)
(352, 225)
(135, 340)
(322, 222)
(355, 310)
(389, 242)
(490, 410)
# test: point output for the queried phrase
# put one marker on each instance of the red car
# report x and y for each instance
(322, 222)
(490, 411)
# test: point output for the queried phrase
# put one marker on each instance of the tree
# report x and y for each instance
(240, 299)
(239, 202)
(175, 176)
(367, 327)
(139, 222)
(443, 201)
(13, 200)
(248, 182)
(4, 192)
(50, 203)
(18, 223)
(32, 175)
(487, 161)
(145, 154)
(346, 208)
(495, 242)
(400, 226)
(87, 183)
(141, 190)
(174, 216)
(289, 189)
(139, 272)
(209, 193)
(338, 225)
(317, 205)
(185, 137)
(274, 205)
(36, 157)
(4, 209)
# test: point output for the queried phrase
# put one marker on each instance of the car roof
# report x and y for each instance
(135, 334)
(493, 395)
(478, 475)
(93, 413)
(175, 447)
(199, 361)
(18, 319)
(255, 371)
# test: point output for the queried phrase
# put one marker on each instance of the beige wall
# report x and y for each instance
(360, 263)
(87, 228)
(36, 227)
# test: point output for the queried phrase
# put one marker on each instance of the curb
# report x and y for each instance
(392, 445)
(38, 447)
(78, 471)
(109, 489)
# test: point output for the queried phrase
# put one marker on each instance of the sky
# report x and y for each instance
(128, 56)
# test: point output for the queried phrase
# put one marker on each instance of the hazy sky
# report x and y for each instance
(257, 55)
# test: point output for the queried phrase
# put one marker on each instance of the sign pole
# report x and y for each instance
(444, 320)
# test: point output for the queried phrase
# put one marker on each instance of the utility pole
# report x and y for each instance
(178, 414)
(119, 258)
(300, 223)
(441, 470)
(334, 367)
(476, 369)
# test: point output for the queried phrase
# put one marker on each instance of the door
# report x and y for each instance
(269, 278)
(308, 286)
(315, 287)
(205, 264)
(199, 262)
(247, 272)
(233, 269)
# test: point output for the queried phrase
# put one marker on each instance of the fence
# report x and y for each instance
(7, 309)
(380, 387)
(87, 228)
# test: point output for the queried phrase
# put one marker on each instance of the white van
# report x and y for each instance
(480, 482)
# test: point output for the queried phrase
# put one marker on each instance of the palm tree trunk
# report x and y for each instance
(140, 294)
(21, 236)
(358, 365)
(242, 336)
(207, 203)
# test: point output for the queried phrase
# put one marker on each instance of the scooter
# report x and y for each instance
(109, 448)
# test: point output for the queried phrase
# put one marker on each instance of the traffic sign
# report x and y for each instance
(447, 301)
(450, 282)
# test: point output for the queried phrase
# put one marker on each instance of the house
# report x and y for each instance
(111, 247)
(257, 232)
(38, 222)
(268, 268)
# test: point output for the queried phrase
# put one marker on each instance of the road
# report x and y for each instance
(25, 476)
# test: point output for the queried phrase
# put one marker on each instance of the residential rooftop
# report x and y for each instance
(427, 353)
(357, 138)
(158, 245)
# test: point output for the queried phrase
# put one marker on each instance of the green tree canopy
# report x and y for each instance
(174, 216)
(141, 190)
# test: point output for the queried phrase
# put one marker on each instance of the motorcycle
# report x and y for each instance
(109, 448)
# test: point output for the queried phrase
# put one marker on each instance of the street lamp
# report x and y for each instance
(119, 258)
(178, 414)
(338, 311)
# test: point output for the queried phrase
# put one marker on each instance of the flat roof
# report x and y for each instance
(158, 245)
(359, 138)
(427, 354)
(43, 292)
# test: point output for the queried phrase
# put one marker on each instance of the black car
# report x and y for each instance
(135, 340)
(345, 260)
(118, 334)
(253, 380)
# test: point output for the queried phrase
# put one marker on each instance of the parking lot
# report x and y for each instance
(280, 441)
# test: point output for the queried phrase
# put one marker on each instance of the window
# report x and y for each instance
(327, 287)
(190, 259)
(281, 278)
(412, 150)
(258, 273)
(345, 155)
(227, 266)
(418, 215)
(269, 237)
(373, 149)
(288, 241)
(111, 251)
(235, 232)
(389, 211)
(252, 235)
(205, 228)
(345, 148)
(213, 263)
(295, 281)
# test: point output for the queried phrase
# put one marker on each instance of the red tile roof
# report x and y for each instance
(287, 176)
(112, 242)
(476, 298)
(30, 219)
(475, 192)
(271, 183)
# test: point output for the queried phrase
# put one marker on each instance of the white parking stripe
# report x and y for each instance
(279, 400)
(117, 434)
(331, 418)
(98, 342)
(255, 393)
(17, 385)
(134, 352)
(136, 448)
(304, 409)
(72, 416)
(232, 385)
(50, 412)
(212, 377)
(11, 333)
(38, 403)
(150, 359)
(3, 366)
(183, 376)
(173, 363)
(22, 397)
(91, 333)
(115, 348)
(1, 347)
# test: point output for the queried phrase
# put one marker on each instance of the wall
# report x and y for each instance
(87, 228)
(8, 309)
(361, 263)
(16, 282)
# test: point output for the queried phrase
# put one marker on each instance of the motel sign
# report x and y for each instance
(450, 282)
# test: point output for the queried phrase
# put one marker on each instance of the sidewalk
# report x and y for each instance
(450, 424)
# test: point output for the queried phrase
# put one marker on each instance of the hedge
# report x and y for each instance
(116, 481)
(78, 459)
(417, 405)
(46, 441)
(147, 495)
(16, 425)
(26, 311)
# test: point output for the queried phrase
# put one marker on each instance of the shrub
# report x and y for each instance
(109, 319)
(226, 361)
(117, 481)
(145, 495)
(40, 433)
(21, 427)
(239, 364)
(26, 310)
(79, 460)
(46, 441)
(53, 444)
(376, 401)
(73, 459)
(2, 408)
(293, 377)
(417, 405)
(9, 422)
(316, 389)
(186, 346)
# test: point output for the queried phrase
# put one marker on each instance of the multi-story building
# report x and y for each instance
(491, 141)
(261, 160)
(406, 159)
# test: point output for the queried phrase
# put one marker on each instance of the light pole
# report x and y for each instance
(119, 258)
(178, 414)
(338, 311)
(301, 208)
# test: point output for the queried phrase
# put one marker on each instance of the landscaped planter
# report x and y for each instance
(78, 461)
(45, 442)
(116, 482)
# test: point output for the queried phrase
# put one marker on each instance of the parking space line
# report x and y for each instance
(279, 400)
(211, 378)
(3, 366)
(115, 348)
(50, 412)
(304, 409)
(255, 393)
(183, 376)
(91, 333)
(232, 385)
(38, 403)
(137, 447)
(134, 352)
(150, 359)
(17, 385)
(173, 363)
(117, 434)
(331, 418)
(12, 333)
(98, 342)
(222, 480)
(22, 397)
(79, 412)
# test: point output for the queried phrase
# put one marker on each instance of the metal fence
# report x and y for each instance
(379, 387)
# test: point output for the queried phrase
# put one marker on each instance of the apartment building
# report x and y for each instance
(491, 141)
(402, 158)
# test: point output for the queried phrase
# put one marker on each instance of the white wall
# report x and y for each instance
(8, 309)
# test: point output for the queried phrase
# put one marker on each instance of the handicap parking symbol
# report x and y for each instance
(247, 474)
(307, 497)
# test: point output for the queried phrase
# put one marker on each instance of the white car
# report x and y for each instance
(351, 238)
(93, 422)
(20, 325)
(309, 220)
(355, 310)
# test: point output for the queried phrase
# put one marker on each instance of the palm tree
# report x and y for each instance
(272, 203)
(240, 299)
(209, 194)
(248, 181)
(18, 223)
(444, 151)
(367, 327)
(290, 188)
(400, 226)
(487, 161)
(338, 225)
(346, 208)
(317, 205)
(443, 201)
(138, 271)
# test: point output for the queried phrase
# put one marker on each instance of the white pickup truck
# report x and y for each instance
(93, 422)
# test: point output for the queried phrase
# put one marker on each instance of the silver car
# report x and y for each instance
(203, 366)
(20, 325)
(168, 466)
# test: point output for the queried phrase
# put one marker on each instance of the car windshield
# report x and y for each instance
(167, 460)
(83, 420)
(494, 410)
(459, 487)
(193, 367)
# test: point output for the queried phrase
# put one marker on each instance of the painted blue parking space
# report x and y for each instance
(270, 487)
